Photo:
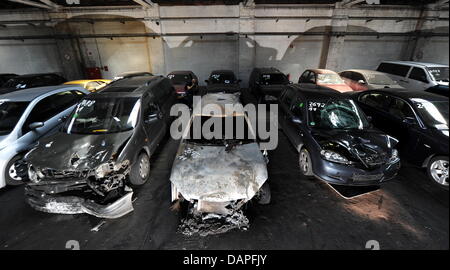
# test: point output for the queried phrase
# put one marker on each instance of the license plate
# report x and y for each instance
(270, 98)
(367, 177)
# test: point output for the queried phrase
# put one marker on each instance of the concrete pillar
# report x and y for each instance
(246, 43)
(335, 50)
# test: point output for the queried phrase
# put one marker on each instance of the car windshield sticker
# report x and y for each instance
(301, 105)
(227, 81)
(312, 123)
(314, 106)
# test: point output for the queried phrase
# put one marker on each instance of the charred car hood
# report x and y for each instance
(227, 88)
(371, 147)
(211, 174)
(79, 152)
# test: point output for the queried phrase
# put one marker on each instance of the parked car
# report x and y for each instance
(31, 80)
(103, 151)
(439, 90)
(130, 74)
(324, 78)
(4, 77)
(90, 85)
(335, 140)
(419, 120)
(180, 80)
(266, 84)
(217, 176)
(222, 81)
(363, 79)
(25, 117)
(415, 75)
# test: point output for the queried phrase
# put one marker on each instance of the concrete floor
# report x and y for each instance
(407, 213)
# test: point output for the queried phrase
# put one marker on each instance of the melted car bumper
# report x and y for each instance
(339, 174)
(66, 204)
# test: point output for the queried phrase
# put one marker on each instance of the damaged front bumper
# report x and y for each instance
(50, 198)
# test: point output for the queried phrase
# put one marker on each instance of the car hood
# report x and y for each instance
(273, 88)
(338, 87)
(63, 151)
(227, 88)
(5, 90)
(370, 147)
(379, 86)
(212, 174)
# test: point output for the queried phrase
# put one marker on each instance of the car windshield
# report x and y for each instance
(179, 78)
(104, 115)
(329, 78)
(10, 113)
(222, 78)
(268, 79)
(440, 74)
(217, 130)
(433, 113)
(335, 114)
(379, 79)
(18, 83)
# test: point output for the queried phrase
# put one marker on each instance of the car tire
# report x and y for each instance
(11, 175)
(264, 194)
(140, 171)
(305, 162)
(437, 170)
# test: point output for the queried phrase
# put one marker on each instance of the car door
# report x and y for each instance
(153, 123)
(286, 119)
(418, 79)
(296, 111)
(397, 72)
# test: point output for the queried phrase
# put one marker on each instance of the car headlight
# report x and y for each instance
(394, 157)
(32, 175)
(333, 157)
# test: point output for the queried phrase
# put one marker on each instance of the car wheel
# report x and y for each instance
(438, 170)
(264, 194)
(305, 162)
(140, 172)
(12, 175)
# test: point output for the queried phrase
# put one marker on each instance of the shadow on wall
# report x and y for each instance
(111, 55)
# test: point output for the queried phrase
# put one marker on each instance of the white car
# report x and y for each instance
(27, 115)
(415, 75)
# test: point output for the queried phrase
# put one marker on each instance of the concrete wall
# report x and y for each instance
(268, 36)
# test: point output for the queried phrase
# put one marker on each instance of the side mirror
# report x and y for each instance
(35, 125)
(296, 120)
(410, 121)
(361, 82)
(369, 118)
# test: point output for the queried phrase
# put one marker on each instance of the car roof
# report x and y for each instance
(219, 99)
(135, 85)
(363, 71)
(181, 72)
(222, 71)
(318, 92)
(32, 93)
(418, 64)
(408, 94)
(269, 70)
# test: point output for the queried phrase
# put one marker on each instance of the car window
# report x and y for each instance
(400, 109)
(357, 77)
(10, 114)
(418, 74)
(51, 106)
(345, 74)
(304, 77)
(375, 100)
(394, 69)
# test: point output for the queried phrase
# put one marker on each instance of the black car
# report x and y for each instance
(439, 90)
(222, 81)
(419, 120)
(335, 141)
(103, 150)
(266, 84)
(181, 80)
(30, 81)
(4, 77)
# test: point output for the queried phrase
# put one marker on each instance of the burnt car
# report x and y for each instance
(334, 138)
(103, 150)
(266, 84)
(181, 79)
(4, 77)
(362, 79)
(419, 120)
(222, 81)
(217, 176)
(30, 81)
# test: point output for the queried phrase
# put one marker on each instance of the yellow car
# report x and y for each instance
(91, 85)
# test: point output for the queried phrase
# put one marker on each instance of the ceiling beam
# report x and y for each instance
(144, 3)
(352, 3)
(50, 3)
(30, 3)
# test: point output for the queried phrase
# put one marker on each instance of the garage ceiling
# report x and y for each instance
(15, 4)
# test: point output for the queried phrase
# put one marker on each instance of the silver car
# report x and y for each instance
(27, 115)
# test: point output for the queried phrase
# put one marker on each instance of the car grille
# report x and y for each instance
(51, 173)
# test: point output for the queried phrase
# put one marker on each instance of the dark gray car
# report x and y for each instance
(103, 150)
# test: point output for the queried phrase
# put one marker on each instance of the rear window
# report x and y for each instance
(394, 69)
(273, 78)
